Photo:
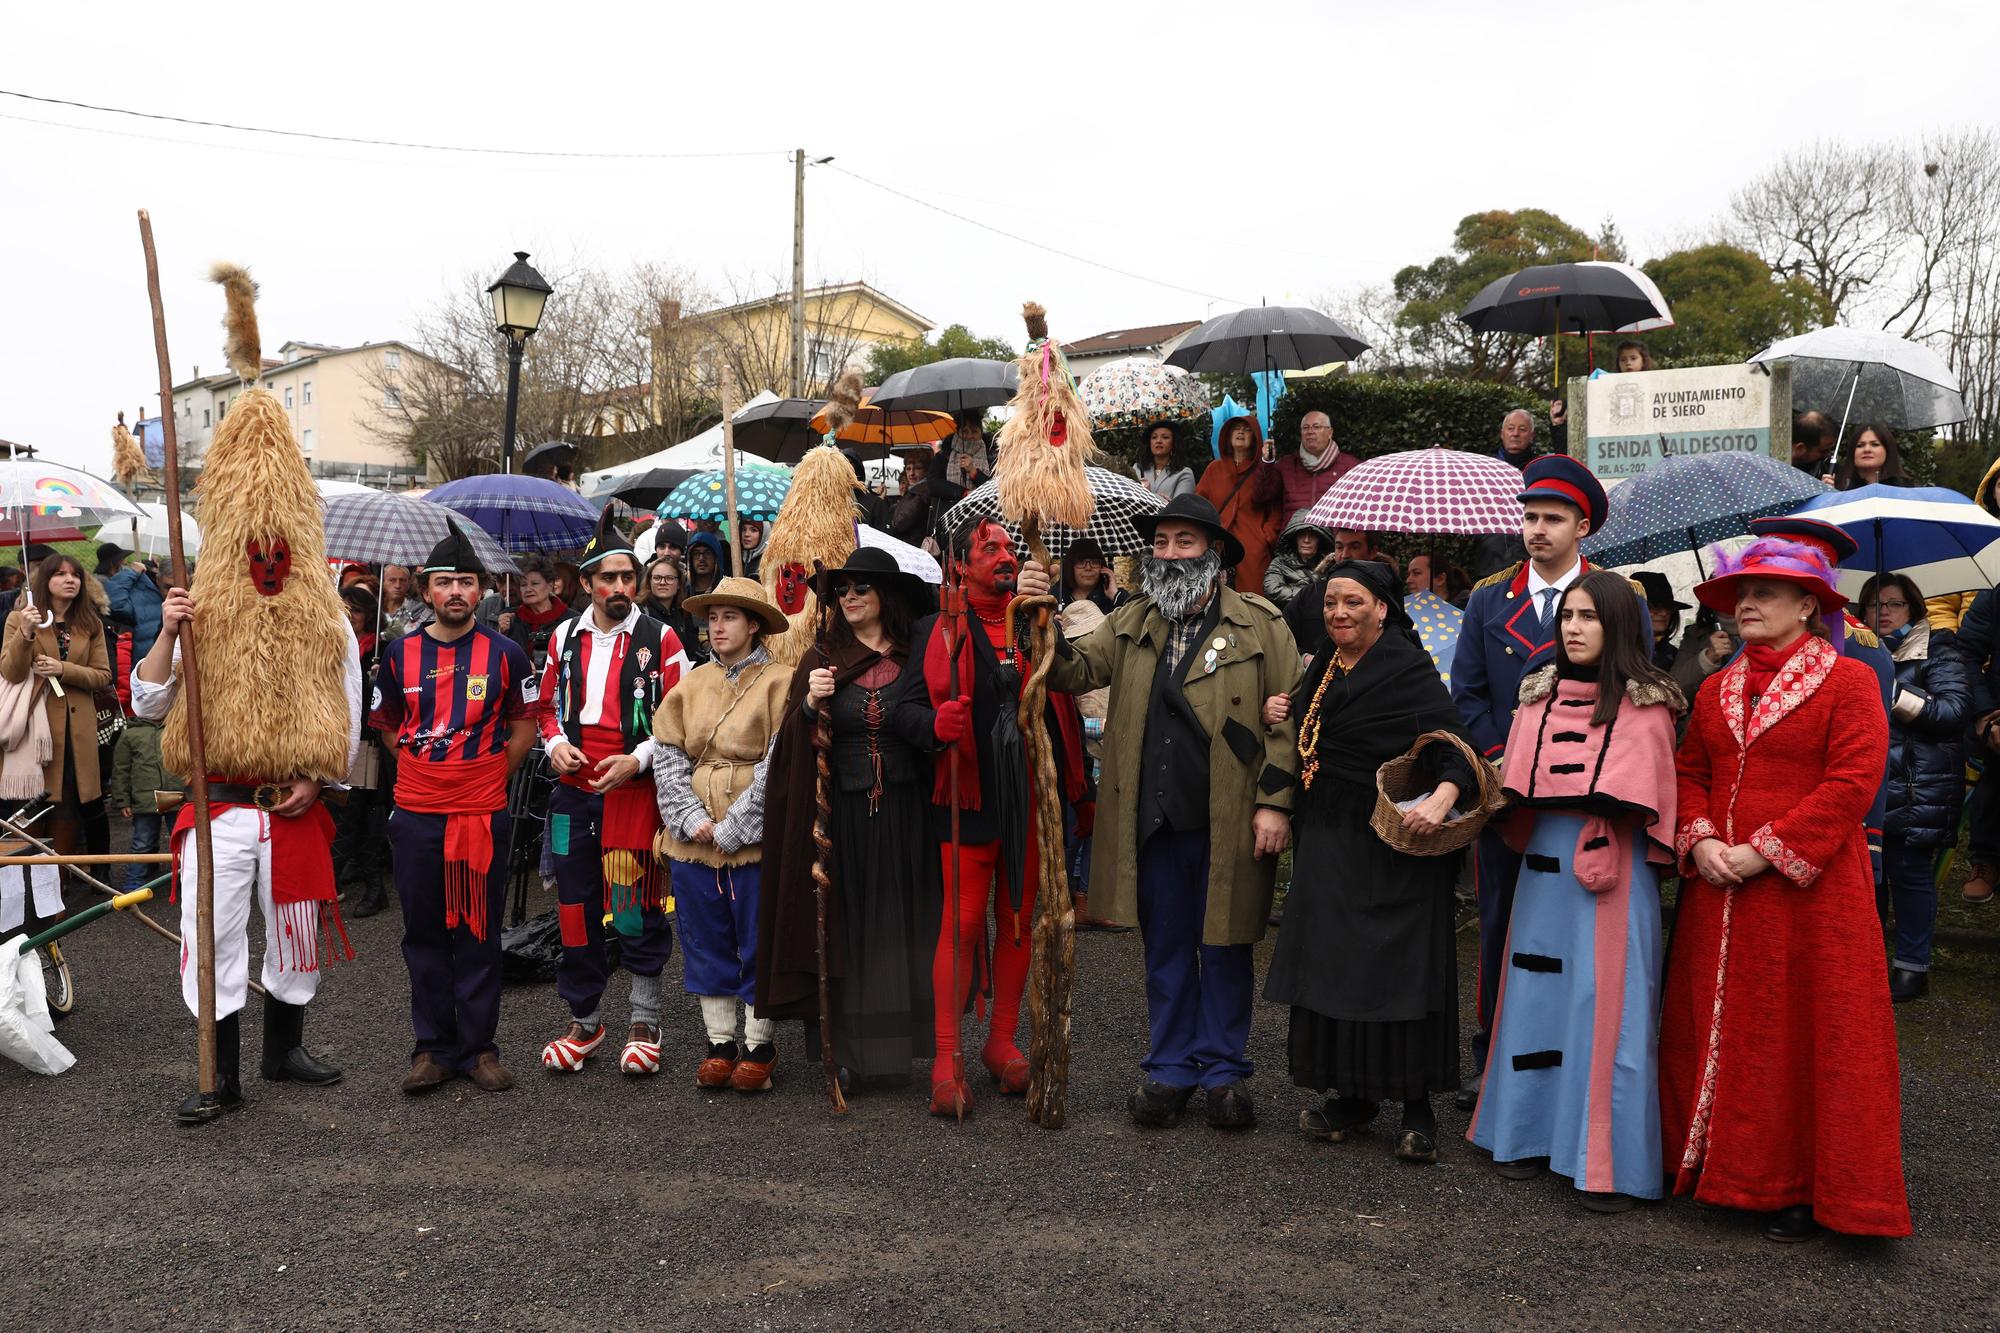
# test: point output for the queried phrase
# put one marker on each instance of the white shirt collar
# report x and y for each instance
(1536, 583)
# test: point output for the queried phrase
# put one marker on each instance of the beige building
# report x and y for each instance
(754, 339)
(341, 402)
(1153, 342)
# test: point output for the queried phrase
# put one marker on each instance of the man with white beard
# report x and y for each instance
(1195, 803)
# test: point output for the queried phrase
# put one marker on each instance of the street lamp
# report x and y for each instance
(518, 298)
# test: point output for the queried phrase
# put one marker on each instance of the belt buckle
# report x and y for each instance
(268, 796)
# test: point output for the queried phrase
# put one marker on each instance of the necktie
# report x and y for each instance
(1548, 596)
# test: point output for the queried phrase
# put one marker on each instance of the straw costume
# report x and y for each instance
(128, 460)
(715, 734)
(816, 522)
(284, 710)
(451, 703)
(609, 667)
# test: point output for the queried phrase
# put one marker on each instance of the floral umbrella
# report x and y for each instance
(1128, 394)
(759, 492)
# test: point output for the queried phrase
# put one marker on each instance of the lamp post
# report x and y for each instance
(518, 298)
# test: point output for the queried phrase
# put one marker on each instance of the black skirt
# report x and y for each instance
(888, 874)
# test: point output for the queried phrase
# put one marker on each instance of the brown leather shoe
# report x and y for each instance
(426, 1075)
(489, 1074)
(1979, 885)
(753, 1071)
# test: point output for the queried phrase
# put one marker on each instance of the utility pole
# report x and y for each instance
(799, 273)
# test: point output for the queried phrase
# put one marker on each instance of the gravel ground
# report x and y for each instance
(590, 1200)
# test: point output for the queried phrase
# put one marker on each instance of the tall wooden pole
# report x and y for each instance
(729, 468)
(204, 895)
(799, 273)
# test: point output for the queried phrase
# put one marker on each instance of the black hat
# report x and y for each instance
(1659, 591)
(1198, 511)
(669, 533)
(607, 540)
(871, 564)
(106, 550)
(455, 554)
(37, 553)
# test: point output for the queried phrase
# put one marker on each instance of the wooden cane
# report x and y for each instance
(1053, 965)
(204, 893)
(954, 604)
(822, 835)
(729, 468)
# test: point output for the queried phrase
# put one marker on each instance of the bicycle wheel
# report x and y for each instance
(56, 979)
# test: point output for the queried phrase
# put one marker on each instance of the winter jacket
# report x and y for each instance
(1933, 703)
(136, 601)
(1947, 610)
(137, 775)
(1288, 576)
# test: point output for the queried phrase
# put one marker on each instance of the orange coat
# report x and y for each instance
(73, 715)
(1257, 528)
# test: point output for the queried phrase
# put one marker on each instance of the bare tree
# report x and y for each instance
(752, 335)
(1829, 213)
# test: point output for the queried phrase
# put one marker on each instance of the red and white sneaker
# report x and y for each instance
(642, 1051)
(566, 1054)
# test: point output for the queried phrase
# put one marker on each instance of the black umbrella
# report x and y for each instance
(553, 451)
(780, 430)
(961, 383)
(1265, 338)
(645, 490)
(1589, 296)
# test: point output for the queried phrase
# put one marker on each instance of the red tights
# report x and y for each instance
(977, 867)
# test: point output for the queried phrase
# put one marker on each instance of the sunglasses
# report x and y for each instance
(859, 587)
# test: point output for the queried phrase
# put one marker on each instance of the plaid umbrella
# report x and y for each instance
(378, 528)
(1125, 394)
(759, 492)
(1117, 499)
(1686, 503)
(521, 513)
(1435, 490)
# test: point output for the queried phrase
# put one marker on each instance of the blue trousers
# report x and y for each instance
(717, 908)
(575, 816)
(454, 977)
(1494, 869)
(1198, 996)
(1912, 891)
(145, 838)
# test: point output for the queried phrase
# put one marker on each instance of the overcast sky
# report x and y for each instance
(1225, 153)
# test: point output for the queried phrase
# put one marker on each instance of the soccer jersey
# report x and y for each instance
(452, 701)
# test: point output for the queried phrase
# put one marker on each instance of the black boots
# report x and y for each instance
(202, 1107)
(1906, 985)
(286, 1060)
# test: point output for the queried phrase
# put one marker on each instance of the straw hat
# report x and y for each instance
(746, 595)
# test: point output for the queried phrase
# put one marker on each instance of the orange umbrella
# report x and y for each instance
(891, 428)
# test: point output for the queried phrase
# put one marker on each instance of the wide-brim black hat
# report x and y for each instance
(870, 564)
(1659, 590)
(1198, 511)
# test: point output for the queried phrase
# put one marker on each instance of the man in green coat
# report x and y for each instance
(1194, 807)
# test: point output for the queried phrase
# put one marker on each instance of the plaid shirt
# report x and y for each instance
(1181, 635)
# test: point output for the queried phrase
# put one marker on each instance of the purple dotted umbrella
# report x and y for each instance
(1435, 490)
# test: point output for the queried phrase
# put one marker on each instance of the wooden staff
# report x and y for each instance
(204, 893)
(953, 626)
(729, 468)
(823, 853)
(1050, 982)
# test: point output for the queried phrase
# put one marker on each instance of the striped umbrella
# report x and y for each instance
(1435, 490)
(521, 513)
(1942, 540)
(759, 492)
(1115, 500)
(378, 528)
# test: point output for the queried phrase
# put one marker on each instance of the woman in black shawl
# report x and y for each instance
(1366, 955)
(883, 908)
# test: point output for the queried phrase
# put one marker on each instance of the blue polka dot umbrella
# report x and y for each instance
(759, 492)
(1687, 503)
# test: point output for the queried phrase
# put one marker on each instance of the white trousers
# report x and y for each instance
(242, 842)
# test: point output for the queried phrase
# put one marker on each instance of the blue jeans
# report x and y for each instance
(1912, 892)
(145, 839)
(1198, 996)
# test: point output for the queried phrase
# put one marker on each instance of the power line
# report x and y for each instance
(355, 139)
(1065, 254)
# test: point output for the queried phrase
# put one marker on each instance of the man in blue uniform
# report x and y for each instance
(451, 699)
(1508, 631)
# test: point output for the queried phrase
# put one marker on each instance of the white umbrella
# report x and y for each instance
(328, 488)
(1902, 384)
(910, 559)
(151, 531)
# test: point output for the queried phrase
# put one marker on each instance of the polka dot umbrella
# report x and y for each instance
(759, 492)
(1435, 490)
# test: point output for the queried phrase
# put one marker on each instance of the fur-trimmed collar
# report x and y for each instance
(1538, 685)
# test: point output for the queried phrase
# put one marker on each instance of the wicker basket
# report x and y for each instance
(1397, 781)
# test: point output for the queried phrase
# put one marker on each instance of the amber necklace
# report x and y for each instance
(1309, 724)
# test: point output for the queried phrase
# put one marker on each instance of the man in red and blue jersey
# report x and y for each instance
(609, 666)
(452, 700)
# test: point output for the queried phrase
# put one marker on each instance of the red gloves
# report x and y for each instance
(1086, 818)
(953, 721)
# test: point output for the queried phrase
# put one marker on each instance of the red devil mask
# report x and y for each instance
(990, 566)
(270, 565)
(792, 589)
(1058, 430)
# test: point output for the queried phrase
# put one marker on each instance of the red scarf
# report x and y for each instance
(302, 888)
(541, 619)
(466, 792)
(1761, 664)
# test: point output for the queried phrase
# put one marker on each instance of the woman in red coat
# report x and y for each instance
(1249, 493)
(1778, 1078)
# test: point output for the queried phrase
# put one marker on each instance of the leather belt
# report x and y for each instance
(266, 796)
